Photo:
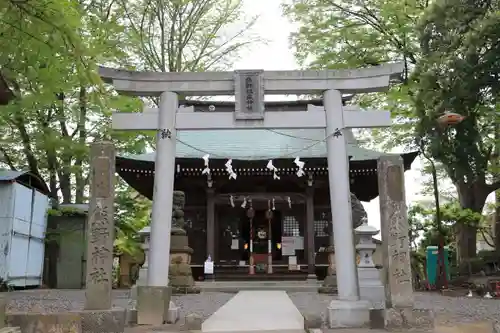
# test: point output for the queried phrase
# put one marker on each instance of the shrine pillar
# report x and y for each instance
(211, 223)
(310, 253)
(163, 191)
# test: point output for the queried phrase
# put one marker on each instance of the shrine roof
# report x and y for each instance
(259, 145)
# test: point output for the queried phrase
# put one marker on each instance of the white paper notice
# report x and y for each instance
(235, 244)
(287, 246)
(209, 267)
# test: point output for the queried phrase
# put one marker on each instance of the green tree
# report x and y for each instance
(58, 105)
(186, 35)
(26, 27)
(57, 108)
(458, 71)
(340, 34)
(352, 34)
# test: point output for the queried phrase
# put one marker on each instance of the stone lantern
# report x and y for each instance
(142, 280)
(143, 272)
(370, 286)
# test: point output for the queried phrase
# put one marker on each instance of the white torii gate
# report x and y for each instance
(249, 87)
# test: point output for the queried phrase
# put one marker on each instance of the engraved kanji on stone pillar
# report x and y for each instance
(100, 227)
(394, 225)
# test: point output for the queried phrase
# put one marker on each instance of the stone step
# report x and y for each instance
(235, 287)
(265, 331)
(258, 310)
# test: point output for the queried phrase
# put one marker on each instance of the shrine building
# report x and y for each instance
(216, 210)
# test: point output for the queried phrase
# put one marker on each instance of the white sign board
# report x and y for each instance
(292, 263)
(287, 246)
(291, 243)
(235, 244)
(209, 267)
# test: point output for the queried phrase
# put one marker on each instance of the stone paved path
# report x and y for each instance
(256, 311)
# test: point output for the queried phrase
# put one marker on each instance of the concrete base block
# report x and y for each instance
(133, 292)
(348, 314)
(103, 321)
(312, 320)
(10, 330)
(374, 294)
(68, 322)
(131, 317)
(496, 327)
(152, 305)
(370, 287)
(192, 322)
(409, 318)
(173, 313)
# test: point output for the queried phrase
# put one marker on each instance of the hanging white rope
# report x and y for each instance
(231, 201)
(206, 171)
(289, 202)
(271, 167)
(229, 169)
(274, 207)
(300, 172)
(244, 204)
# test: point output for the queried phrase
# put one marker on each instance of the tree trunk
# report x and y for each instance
(472, 196)
(80, 181)
(496, 165)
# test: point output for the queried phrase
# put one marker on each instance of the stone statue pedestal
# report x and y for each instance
(180, 274)
(329, 285)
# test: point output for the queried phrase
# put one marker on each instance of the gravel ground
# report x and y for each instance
(449, 310)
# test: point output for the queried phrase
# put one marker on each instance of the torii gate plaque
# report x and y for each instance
(249, 87)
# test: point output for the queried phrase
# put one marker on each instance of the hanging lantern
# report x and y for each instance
(450, 119)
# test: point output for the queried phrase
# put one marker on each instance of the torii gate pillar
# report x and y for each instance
(348, 310)
(163, 191)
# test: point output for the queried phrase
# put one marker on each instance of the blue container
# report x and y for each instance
(432, 263)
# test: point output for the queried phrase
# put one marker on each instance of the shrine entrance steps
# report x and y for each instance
(256, 311)
(236, 286)
(240, 273)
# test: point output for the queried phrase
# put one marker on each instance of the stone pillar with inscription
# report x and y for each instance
(100, 236)
(99, 314)
(400, 312)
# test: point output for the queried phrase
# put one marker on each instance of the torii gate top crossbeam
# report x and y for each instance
(274, 82)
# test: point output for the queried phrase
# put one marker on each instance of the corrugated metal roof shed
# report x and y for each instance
(24, 177)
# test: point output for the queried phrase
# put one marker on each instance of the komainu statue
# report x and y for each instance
(358, 211)
(178, 203)
(180, 275)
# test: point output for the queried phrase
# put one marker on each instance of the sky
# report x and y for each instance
(276, 54)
